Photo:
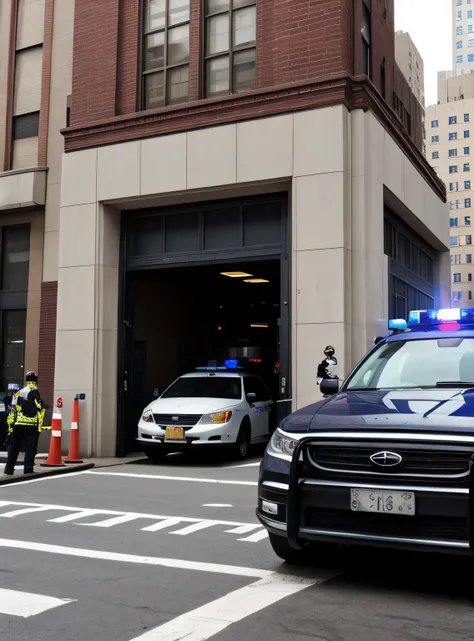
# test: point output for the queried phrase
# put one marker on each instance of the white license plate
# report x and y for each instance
(383, 502)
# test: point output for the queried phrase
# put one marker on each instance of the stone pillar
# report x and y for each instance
(86, 340)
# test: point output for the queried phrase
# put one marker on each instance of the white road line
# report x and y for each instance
(26, 604)
(234, 467)
(116, 520)
(216, 568)
(80, 514)
(243, 529)
(63, 477)
(254, 538)
(162, 525)
(187, 479)
(195, 527)
(26, 510)
(217, 505)
(216, 616)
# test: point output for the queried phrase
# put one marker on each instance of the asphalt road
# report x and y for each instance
(174, 552)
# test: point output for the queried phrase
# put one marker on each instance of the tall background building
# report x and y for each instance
(463, 35)
(410, 63)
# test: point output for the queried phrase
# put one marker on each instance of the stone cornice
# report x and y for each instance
(353, 92)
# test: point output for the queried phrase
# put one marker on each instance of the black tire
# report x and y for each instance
(155, 455)
(242, 445)
(318, 553)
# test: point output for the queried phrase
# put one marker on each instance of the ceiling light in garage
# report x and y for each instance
(259, 325)
(236, 274)
(256, 280)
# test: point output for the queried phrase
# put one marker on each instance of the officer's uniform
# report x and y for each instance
(25, 421)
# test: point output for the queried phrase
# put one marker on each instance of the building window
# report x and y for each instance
(459, 44)
(466, 167)
(453, 186)
(470, 28)
(15, 258)
(467, 221)
(456, 278)
(459, 59)
(456, 259)
(231, 31)
(453, 240)
(470, 43)
(435, 155)
(469, 294)
(459, 15)
(467, 203)
(454, 204)
(459, 31)
(166, 53)
(434, 124)
(456, 297)
(469, 258)
(467, 184)
(468, 240)
(383, 79)
(466, 116)
(434, 139)
(467, 151)
(453, 169)
(469, 14)
(470, 57)
(13, 346)
(453, 222)
(366, 33)
(458, 3)
(469, 278)
(26, 126)
(452, 153)
(453, 120)
(453, 135)
(467, 134)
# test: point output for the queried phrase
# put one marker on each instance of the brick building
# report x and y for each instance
(240, 178)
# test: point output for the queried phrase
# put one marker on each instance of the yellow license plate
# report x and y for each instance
(174, 434)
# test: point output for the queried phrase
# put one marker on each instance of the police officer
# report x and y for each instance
(25, 421)
(325, 366)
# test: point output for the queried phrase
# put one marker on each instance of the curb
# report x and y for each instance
(51, 472)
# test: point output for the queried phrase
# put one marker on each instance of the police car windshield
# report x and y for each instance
(433, 362)
(206, 387)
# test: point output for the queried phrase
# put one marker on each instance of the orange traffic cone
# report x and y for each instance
(54, 456)
(73, 456)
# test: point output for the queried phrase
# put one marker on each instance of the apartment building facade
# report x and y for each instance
(36, 39)
(449, 150)
(411, 64)
(463, 35)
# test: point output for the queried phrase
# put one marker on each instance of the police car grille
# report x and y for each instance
(346, 459)
(178, 420)
(417, 526)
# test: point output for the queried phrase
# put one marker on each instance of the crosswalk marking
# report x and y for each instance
(116, 520)
(157, 522)
(161, 525)
(195, 527)
(26, 604)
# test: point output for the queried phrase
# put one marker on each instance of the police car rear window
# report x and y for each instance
(205, 387)
(417, 363)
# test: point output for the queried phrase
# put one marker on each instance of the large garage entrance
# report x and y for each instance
(202, 284)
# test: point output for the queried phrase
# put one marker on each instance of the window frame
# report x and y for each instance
(229, 53)
(164, 70)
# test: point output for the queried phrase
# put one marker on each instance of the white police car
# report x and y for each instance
(213, 407)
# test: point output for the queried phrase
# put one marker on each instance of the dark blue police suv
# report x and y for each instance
(387, 459)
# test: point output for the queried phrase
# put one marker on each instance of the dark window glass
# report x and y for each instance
(366, 32)
(15, 258)
(13, 347)
(228, 387)
(182, 233)
(26, 126)
(166, 53)
(231, 33)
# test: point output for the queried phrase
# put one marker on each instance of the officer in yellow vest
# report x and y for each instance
(25, 421)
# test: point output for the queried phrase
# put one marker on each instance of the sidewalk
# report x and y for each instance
(41, 472)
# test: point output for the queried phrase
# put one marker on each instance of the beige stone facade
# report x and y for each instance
(339, 169)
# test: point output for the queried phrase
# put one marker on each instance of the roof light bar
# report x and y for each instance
(437, 317)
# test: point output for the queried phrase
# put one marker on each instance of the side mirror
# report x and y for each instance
(251, 397)
(329, 386)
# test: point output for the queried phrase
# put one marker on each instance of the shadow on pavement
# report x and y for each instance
(202, 459)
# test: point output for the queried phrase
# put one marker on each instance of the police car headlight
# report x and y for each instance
(282, 444)
(147, 416)
(216, 417)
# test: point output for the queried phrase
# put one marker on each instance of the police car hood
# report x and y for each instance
(191, 405)
(394, 410)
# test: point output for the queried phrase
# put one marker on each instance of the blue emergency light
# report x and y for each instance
(397, 324)
(442, 318)
(229, 364)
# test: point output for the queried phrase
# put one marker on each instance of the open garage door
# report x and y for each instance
(199, 284)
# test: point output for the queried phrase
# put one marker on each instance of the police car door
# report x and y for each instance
(258, 406)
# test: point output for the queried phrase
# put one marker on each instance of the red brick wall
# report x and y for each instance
(47, 340)
(300, 40)
(128, 57)
(94, 76)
